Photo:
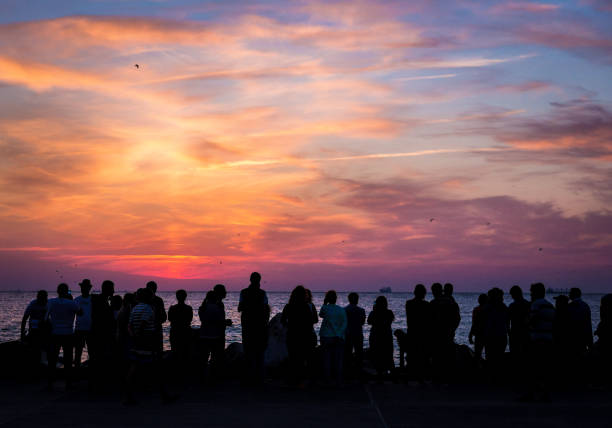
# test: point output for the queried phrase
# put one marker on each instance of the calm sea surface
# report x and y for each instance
(12, 305)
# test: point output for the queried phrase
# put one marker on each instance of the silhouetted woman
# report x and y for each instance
(212, 333)
(332, 332)
(381, 336)
(476, 336)
(298, 317)
(603, 346)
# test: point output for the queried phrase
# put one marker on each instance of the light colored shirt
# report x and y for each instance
(83, 321)
(334, 321)
(61, 312)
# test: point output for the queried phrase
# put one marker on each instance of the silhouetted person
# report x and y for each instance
(418, 326)
(561, 328)
(580, 335)
(221, 292)
(381, 336)
(103, 333)
(212, 335)
(144, 351)
(315, 315)
(476, 336)
(356, 318)
(180, 317)
(160, 314)
(254, 316)
(444, 321)
(61, 312)
(332, 333)
(297, 316)
(541, 321)
(116, 303)
(122, 334)
(603, 346)
(518, 311)
(82, 328)
(38, 331)
(495, 333)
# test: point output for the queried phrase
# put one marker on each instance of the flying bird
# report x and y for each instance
(137, 66)
(431, 219)
(488, 223)
(540, 249)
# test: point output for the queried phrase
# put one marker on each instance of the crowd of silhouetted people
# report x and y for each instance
(124, 338)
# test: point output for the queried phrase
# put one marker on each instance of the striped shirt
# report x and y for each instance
(142, 320)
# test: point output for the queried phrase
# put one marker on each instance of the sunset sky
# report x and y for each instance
(345, 145)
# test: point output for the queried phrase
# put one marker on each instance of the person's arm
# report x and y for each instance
(190, 315)
(315, 317)
(284, 316)
(362, 318)
(471, 334)
(343, 323)
(163, 317)
(322, 311)
(24, 322)
(240, 303)
(371, 318)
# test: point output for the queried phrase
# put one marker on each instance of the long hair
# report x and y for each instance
(298, 295)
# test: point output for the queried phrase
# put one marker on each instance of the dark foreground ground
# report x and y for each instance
(273, 405)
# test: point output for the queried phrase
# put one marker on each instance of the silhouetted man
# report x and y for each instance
(36, 312)
(82, 329)
(356, 318)
(580, 334)
(418, 325)
(254, 316)
(541, 321)
(496, 325)
(157, 304)
(102, 331)
(61, 312)
(518, 312)
(444, 321)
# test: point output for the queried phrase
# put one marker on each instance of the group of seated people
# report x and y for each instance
(128, 331)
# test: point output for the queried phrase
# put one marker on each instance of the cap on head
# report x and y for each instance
(85, 284)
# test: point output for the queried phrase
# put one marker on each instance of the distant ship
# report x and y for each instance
(385, 290)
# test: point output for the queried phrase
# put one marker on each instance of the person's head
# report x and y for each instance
(483, 299)
(537, 291)
(330, 297)
(152, 287)
(420, 291)
(181, 296)
(220, 290)
(62, 290)
(116, 302)
(85, 287)
(144, 295)
(448, 289)
(353, 298)
(108, 288)
(255, 279)
(308, 295)
(436, 289)
(129, 300)
(516, 292)
(561, 302)
(380, 303)
(298, 295)
(575, 293)
(495, 296)
(42, 297)
(211, 297)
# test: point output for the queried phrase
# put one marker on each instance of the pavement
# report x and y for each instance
(26, 404)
